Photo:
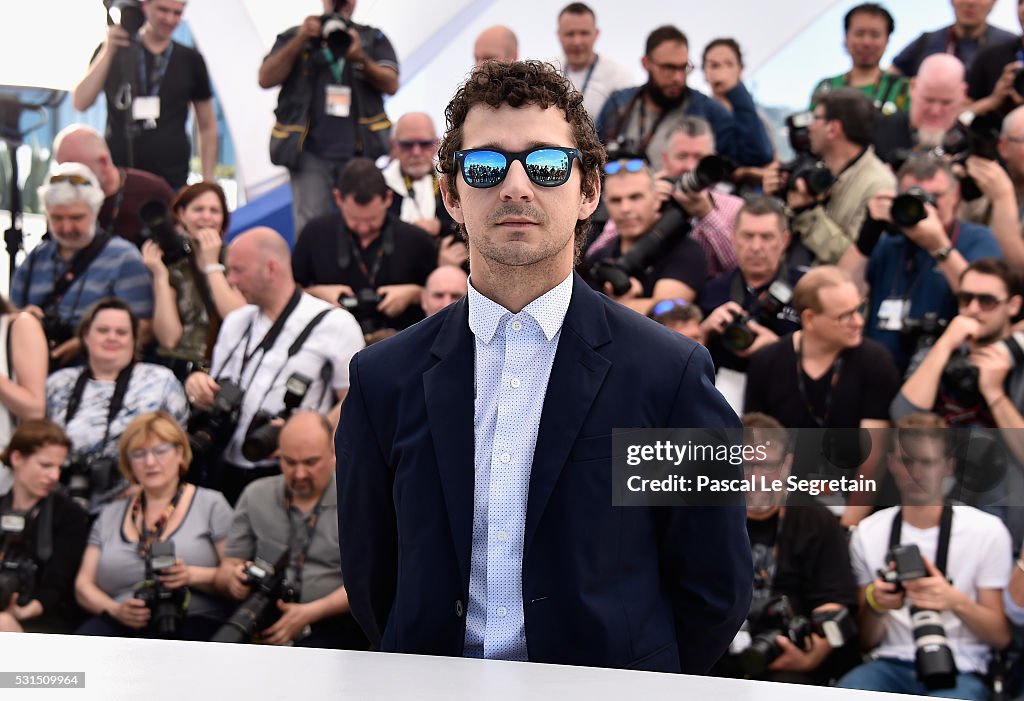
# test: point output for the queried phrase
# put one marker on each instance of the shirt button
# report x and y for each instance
(502, 535)
(516, 326)
(515, 382)
(502, 611)
(505, 457)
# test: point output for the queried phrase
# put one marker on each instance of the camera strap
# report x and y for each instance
(80, 262)
(151, 80)
(40, 519)
(148, 537)
(297, 344)
(270, 338)
(116, 400)
(945, 530)
(307, 537)
(801, 387)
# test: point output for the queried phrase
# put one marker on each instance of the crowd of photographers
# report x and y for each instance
(191, 387)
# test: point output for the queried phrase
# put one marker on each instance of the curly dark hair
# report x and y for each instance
(519, 84)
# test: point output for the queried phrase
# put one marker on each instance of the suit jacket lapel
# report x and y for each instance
(576, 377)
(448, 392)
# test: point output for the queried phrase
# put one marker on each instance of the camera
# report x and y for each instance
(710, 170)
(334, 31)
(737, 335)
(213, 429)
(765, 622)
(126, 14)
(17, 569)
(973, 136)
(804, 165)
(909, 208)
(167, 606)
(86, 474)
(261, 438)
(933, 659)
(922, 333)
(363, 306)
(159, 228)
(56, 329)
(960, 380)
(268, 580)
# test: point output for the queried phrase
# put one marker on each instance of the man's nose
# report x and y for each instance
(517, 184)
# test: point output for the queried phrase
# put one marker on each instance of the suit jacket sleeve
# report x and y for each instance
(366, 515)
(705, 551)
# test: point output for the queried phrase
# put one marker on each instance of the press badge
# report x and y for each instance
(891, 314)
(338, 100)
(147, 110)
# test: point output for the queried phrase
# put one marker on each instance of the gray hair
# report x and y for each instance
(65, 191)
(693, 127)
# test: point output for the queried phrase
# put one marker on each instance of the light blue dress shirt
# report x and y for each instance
(514, 355)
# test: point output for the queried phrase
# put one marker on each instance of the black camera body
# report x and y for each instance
(17, 569)
(765, 623)
(737, 336)
(922, 333)
(363, 306)
(57, 329)
(909, 208)
(261, 438)
(973, 136)
(210, 431)
(933, 658)
(167, 606)
(334, 31)
(960, 380)
(710, 171)
(86, 474)
(804, 165)
(127, 14)
(158, 227)
(268, 581)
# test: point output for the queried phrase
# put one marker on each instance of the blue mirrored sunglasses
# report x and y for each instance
(632, 165)
(547, 166)
(667, 305)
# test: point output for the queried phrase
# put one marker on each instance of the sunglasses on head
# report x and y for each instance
(410, 144)
(547, 166)
(987, 302)
(69, 178)
(667, 305)
(630, 165)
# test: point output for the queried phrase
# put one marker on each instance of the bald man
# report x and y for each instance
(125, 189)
(938, 94)
(284, 342)
(411, 176)
(265, 514)
(498, 43)
(445, 285)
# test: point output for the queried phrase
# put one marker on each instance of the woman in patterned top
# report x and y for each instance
(94, 404)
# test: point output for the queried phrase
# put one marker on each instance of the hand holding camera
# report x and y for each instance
(933, 592)
(994, 363)
(132, 612)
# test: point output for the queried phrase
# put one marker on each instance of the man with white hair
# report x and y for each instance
(79, 264)
(938, 93)
(125, 189)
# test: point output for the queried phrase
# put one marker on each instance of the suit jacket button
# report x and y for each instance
(458, 608)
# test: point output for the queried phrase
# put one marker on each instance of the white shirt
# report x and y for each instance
(514, 355)
(979, 558)
(603, 77)
(334, 341)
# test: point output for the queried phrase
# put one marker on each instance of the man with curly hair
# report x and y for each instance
(474, 450)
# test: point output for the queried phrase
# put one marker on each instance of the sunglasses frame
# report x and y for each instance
(629, 165)
(512, 156)
(70, 178)
(986, 306)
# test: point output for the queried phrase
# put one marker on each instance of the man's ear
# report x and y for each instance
(589, 202)
(336, 194)
(451, 201)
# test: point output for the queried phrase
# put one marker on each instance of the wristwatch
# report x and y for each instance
(942, 254)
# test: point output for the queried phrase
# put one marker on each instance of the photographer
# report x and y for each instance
(840, 135)
(750, 307)
(914, 270)
(799, 552)
(120, 582)
(969, 376)
(993, 82)
(678, 271)
(296, 511)
(363, 257)
(48, 546)
(260, 348)
(80, 264)
(149, 81)
(191, 293)
(952, 591)
(333, 75)
(95, 403)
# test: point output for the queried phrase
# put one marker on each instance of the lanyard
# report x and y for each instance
(310, 524)
(336, 66)
(836, 367)
(586, 79)
(373, 270)
(270, 338)
(150, 81)
(148, 537)
(910, 264)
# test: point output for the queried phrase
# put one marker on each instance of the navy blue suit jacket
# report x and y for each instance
(660, 589)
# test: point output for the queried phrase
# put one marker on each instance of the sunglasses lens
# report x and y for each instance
(667, 305)
(613, 167)
(634, 165)
(547, 167)
(484, 168)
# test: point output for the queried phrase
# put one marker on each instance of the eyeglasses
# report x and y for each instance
(157, 451)
(667, 305)
(671, 68)
(69, 178)
(410, 144)
(848, 316)
(987, 302)
(630, 165)
(547, 166)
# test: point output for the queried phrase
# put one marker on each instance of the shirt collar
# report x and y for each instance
(548, 310)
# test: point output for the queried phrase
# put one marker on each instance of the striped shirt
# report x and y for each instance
(116, 272)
